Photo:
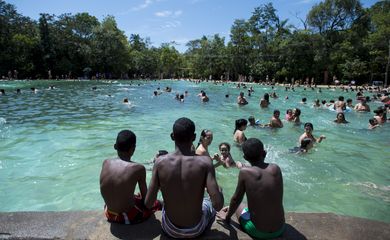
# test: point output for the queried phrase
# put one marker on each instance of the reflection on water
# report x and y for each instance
(53, 142)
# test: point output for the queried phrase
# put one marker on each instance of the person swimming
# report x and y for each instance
(225, 159)
(304, 147)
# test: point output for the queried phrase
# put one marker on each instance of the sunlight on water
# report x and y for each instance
(53, 142)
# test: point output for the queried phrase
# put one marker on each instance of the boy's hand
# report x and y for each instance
(222, 214)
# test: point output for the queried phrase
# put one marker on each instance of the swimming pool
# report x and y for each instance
(53, 142)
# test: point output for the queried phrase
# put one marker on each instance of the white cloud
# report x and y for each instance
(178, 13)
(163, 14)
(168, 13)
(171, 24)
(143, 5)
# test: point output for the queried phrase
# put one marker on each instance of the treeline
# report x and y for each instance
(339, 38)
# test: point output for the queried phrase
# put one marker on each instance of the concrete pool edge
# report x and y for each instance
(92, 225)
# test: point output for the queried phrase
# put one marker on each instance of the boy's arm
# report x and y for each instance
(213, 189)
(237, 196)
(154, 186)
(142, 182)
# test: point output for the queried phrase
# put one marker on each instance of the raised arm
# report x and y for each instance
(213, 189)
(154, 186)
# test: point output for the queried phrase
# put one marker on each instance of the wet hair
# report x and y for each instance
(242, 93)
(341, 98)
(203, 94)
(2, 91)
(288, 110)
(323, 101)
(373, 121)
(226, 95)
(125, 140)
(252, 149)
(224, 143)
(203, 134)
(266, 97)
(251, 118)
(305, 142)
(183, 130)
(331, 101)
(308, 124)
(342, 114)
(239, 123)
(304, 99)
(276, 111)
(349, 100)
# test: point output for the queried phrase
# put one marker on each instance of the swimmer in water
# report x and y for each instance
(373, 123)
(340, 118)
(206, 138)
(241, 100)
(303, 147)
(309, 134)
(225, 159)
(240, 126)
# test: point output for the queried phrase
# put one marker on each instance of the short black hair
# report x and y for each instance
(252, 149)
(125, 140)
(183, 130)
(308, 124)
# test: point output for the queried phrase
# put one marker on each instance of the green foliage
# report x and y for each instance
(344, 39)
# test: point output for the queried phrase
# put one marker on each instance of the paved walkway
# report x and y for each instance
(92, 225)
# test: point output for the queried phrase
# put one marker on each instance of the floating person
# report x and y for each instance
(118, 180)
(253, 123)
(262, 183)
(204, 97)
(303, 148)
(241, 100)
(206, 138)
(309, 134)
(373, 123)
(303, 101)
(238, 134)
(18, 91)
(340, 118)
(317, 103)
(126, 101)
(2, 92)
(225, 159)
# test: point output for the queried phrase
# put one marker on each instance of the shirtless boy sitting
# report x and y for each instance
(182, 177)
(118, 180)
(263, 185)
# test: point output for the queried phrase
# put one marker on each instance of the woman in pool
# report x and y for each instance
(264, 102)
(296, 115)
(206, 138)
(340, 118)
(225, 159)
(239, 136)
(308, 134)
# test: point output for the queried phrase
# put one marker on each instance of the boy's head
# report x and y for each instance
(305, 143)
(125, 141)
(252, 120)
(253, 150)
(183, 130)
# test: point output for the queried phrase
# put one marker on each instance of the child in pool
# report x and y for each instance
(225, 159)
(303, 148)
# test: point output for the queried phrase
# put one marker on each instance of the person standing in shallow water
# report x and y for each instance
(182, 176)
(238, 134)
(206, 138)
(118, 179)
(263, 185)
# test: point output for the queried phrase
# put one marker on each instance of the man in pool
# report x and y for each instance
(263, 185)
(182, 177)
(118, 180)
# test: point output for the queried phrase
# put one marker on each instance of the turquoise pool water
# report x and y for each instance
(53, 142)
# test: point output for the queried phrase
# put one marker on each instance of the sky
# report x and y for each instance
(164, 21)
